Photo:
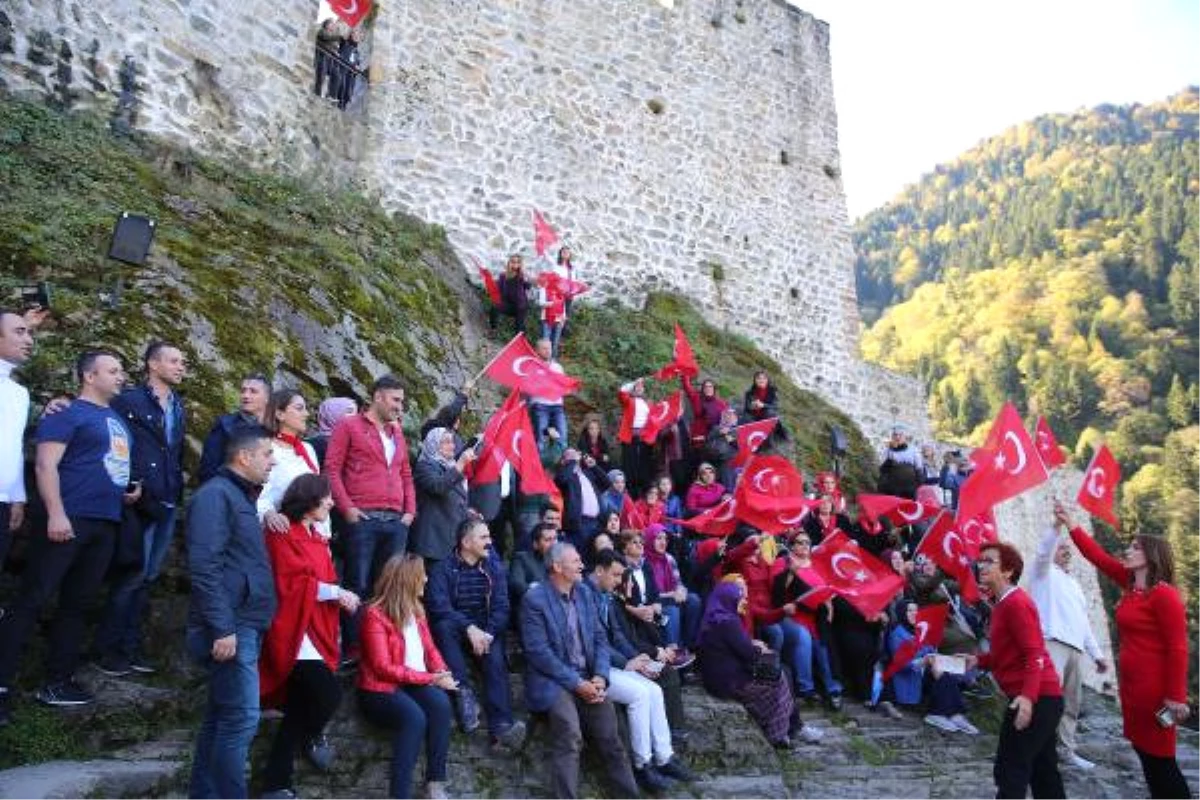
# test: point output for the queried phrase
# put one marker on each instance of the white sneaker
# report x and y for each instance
(1078, 762)
(940, 722)
(811, 734)
(964, 725)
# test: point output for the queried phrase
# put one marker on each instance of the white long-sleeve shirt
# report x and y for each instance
(1059, 599)
(14, 415)
(288, 466)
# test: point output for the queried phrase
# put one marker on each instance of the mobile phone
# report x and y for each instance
(1164, 716)
(36, 295)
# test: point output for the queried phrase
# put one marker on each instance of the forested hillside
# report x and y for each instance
(1056, 265)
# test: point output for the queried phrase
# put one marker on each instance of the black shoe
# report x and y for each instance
(651, 780)
(675, 769)
(835, 702)
(511, 737)
(114, 666)
(319, 753)
(65, 693)
(468, 709)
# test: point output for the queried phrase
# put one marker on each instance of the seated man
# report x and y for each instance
(467, 603)
(529, 567)
(567, 674)
(633, 685)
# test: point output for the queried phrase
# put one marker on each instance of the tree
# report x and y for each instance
(1180, 408)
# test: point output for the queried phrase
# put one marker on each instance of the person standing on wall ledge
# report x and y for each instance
(252, 410)
(1026, 755)
(232, 605)
(83, 462)
(367, 466)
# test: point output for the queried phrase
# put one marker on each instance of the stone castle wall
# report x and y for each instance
(685, 147)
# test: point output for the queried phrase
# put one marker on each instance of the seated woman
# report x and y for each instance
(828, 484)
(727, 658)
(299, 656)
(806, 628)
(592, 442)
(824, 520)
(705, 492)
(612, 501)
(650, 510)
(761, 401)
(920, 678)
(648, 638)
(672, 503)
(402, 680)
(680, 606)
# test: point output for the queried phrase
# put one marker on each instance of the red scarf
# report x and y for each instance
(760, 392)
(297, 445)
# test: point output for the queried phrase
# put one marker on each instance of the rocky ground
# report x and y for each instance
(863, 754)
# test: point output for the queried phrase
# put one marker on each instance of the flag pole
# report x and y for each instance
(488, 365)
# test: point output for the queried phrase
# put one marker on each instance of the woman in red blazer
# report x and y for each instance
(1153, 659)
(300, 651)
(402, 679)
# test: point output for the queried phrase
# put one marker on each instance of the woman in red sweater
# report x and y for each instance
(300, 651)
(1153, 659)
(403, 680)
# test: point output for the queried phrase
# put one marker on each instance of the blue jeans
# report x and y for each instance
(455, 649)
(545, 416)
(368, 546)
(799, 650)
(554, 334)
(120, 632)
(412, 714)
(230, 718)
(683, 621)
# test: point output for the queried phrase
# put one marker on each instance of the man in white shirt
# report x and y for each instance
(16, 345)
(1068, 634)
(548, 412)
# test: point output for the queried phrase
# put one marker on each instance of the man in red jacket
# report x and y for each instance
(1026, 755)
(369, 472)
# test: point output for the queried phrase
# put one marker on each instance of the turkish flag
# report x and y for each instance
(520, 448)
(751, 436)
(897, 510)
(350, 11)
(977, 531)
(554, 283)
(683, 360)
(862, 579)
(489, 282)
(1099, 489)
(543, 234)
(500, 428)
(1005, 466)
(945, 545)
(929, 628)
(1047, 445)
(631, 518)
(663, 414)
(770, 494)
(518, 366)
(720, 520)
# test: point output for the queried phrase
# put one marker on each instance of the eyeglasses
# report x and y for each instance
(987, 561)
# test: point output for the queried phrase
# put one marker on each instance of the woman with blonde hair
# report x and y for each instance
(402, 679)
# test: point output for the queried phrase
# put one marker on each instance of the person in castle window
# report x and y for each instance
(327, 47)
(352, 68)
(761, 401)
(514, 294)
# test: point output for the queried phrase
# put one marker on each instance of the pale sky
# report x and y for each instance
(917, 83)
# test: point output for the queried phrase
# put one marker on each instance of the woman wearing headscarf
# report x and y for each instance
(441, 495)
(300, 650)
(727, 658)
(705, 492)
(1153, 657)
(680, 606)
(329, 414)
(920, 678)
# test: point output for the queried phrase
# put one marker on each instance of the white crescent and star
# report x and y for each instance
(858, 576)
(948, 550)
(758, 478)
(1095, 482)
(1018, 450)
(517, 365)
(922, 630)
(728, 513)
(516, 442)
(349, 9)
(755, 439)
(918, 509)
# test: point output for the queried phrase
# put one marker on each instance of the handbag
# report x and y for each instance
(766, 667)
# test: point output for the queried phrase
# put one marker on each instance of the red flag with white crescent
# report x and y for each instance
(770, 494)
(720, 520)
(489, 281)
(351, 12)
(522, 451)
(499, 428)
(566, 288)
(978, 531)
(945, 545)
(1047, 445)
(683, 359)
(518, 366)
(898, 510)
(663, 414)
(1099, 489)
(631, 518)
(853, 573)
(543, 235)
(927, 631)
(751, 436)
(1005, 466)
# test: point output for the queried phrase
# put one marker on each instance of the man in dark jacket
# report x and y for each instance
(232, 603)
(529, 568)
(155, 416)
(467, 603)
(252, 408)
(581, 482)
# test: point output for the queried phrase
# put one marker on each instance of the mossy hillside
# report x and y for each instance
(610, 344)
(249, 271)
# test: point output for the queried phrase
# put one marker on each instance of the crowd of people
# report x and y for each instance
(339, 64)
(314, 552)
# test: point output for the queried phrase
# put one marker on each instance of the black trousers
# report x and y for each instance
(5, 533)
(638, 465)
(1029, 758)
(1163, 776)
(313, 694)
(509, 310)
(77, 566)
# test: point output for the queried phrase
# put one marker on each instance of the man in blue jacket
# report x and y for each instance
(155, 416)
(251, 413)
(232, 603)
(566, 651)
(467, 603)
